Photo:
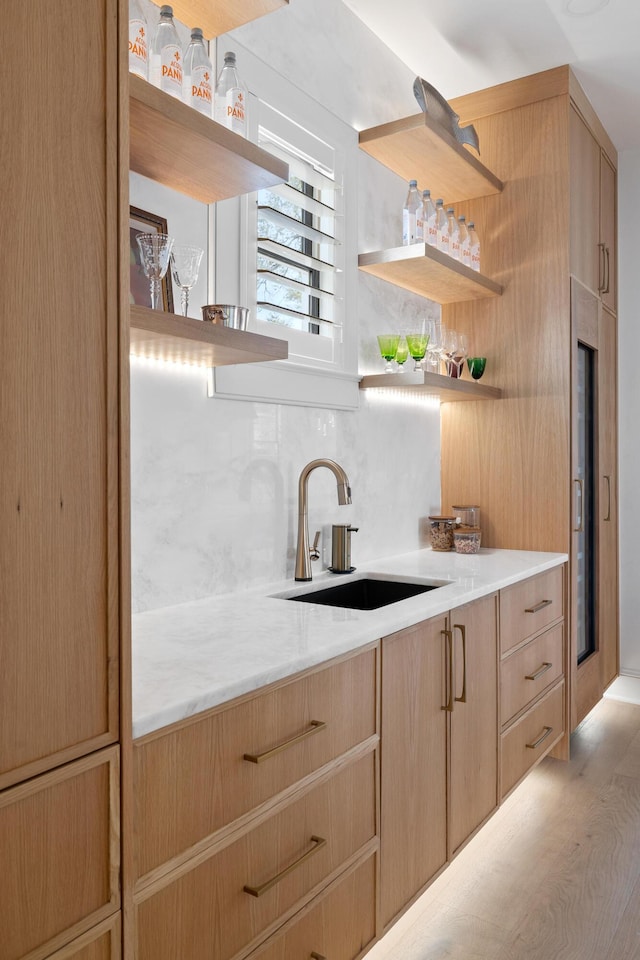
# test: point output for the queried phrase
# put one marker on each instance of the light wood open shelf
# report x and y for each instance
(448, 389)
(182, 149)
(223, 15)
(429, 272)
(419, 148)
(167, 336)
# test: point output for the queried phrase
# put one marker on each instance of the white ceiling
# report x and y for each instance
(465, 45)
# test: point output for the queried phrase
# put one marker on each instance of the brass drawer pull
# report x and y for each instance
(448, 636)
(463, 632)
(318, 844)
(315, 727)
(536, 743)
(316, 956)
(608, 479)
(538, 606)
(543, 669)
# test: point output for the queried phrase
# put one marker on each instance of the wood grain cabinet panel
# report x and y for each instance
(100, 943)
(207, 912)
(340, 927)
(530, 670)
(532, 737)
(586, 257)
(473, 763)
(59, 383)
(413, 744)
(210, 783)
(528, 607)
(59, 837)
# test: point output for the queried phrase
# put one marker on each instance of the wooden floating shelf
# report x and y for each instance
(166, 336)
(419, 148)
(182, 149)
(429, 272)
(448, 389)
(223, 15)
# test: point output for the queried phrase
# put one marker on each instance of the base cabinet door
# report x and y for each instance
(340, 927)
(59, 856)
(99, 943)
(474, 718)
(413, 801)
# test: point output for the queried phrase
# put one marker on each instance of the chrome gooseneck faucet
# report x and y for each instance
(303, 559)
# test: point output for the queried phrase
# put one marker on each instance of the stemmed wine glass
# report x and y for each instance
(417, 344)
(155, 249)
(434, 347)
(402, 354)
(455, 350)
(388, 345)
(185, 264)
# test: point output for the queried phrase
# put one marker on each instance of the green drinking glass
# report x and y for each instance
(388, 345)
(402, 354)
(417, 344)
(476, 366)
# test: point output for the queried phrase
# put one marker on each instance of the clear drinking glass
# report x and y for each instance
(434, 347)
(388, 345)
(155, 249)
(455, 350)
(185, 264)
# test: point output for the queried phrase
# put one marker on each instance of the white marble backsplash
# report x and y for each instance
(214, 481)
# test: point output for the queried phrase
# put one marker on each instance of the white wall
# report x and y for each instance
(629, 409)
(214, 482)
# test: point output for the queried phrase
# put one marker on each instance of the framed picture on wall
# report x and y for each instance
(140, 221)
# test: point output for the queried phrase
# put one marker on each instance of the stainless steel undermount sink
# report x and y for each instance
(366, 593)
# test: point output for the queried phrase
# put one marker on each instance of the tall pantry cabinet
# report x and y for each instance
(549, 233)
(59, 495)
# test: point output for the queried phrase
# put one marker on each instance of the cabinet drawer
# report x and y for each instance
(527, 608)
(530, 670)
(59, 842)
(207, 912)
(531, 737)
(192, 780)
(340, 927)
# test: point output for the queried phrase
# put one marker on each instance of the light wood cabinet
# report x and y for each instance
(438, 745)
(243, 755)
(593, 217)
(534, 712)
(59, 836)
(413, 796)
(473, 750)
(102, 942)
(341, 926)
(543, 139)
(238, 895)
(59, 410)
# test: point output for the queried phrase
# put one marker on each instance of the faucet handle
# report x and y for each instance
(314, 553)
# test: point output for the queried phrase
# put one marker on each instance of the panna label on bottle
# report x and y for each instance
(138, 48)
(230, 110)
(171, 71)
(200, 92)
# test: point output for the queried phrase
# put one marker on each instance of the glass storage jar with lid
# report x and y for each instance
(441, 532)
(468, 515)
(467, 539)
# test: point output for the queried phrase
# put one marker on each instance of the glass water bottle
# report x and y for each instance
(197, 86)
(230, 99)
(412, 205)
(138, 54)
(166, 55)
(429, 219)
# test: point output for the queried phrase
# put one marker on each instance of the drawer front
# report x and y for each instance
(60, 867)
(532, 737)
(340, 927)
(193, 780)
(530, 670)
(100, 943)
(527, 608)
(207, 912)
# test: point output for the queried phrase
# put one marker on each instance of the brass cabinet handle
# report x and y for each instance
(257, 891)
(314, 727)
(543, 736)
(463, 631)
(448, 636)
(578, 527)
(543, 669)
(316, 956)
(538, 606)
(601, 268)
(608, 516)
(606, 283)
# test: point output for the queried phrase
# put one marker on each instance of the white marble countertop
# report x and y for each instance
(193, 656)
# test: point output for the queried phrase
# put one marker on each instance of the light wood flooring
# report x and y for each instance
(555, 875)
